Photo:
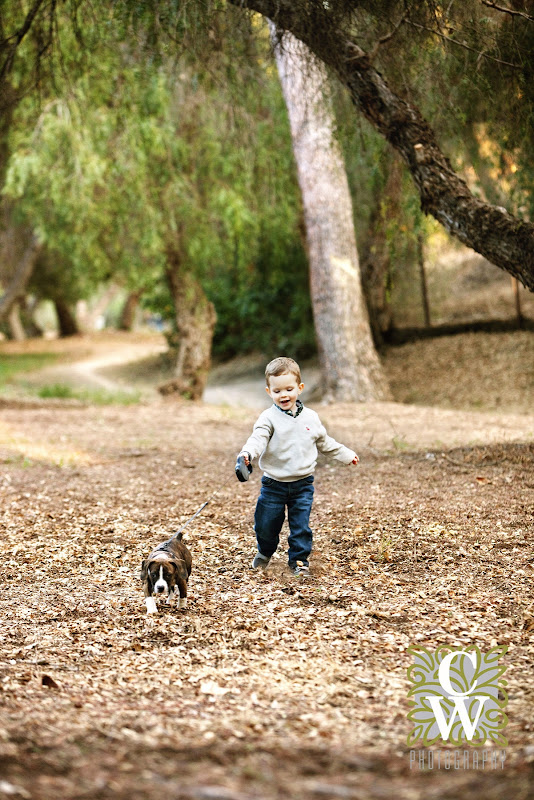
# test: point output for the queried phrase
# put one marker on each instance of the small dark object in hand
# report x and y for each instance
(242, 470)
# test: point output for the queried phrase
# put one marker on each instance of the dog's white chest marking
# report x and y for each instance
(161, 586)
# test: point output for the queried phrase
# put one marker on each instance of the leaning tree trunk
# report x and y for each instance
(20, 276)
(350, 367)
(129, 310)
(195, 323)
(503, 239)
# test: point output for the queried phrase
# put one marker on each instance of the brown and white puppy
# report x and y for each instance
(165, 573)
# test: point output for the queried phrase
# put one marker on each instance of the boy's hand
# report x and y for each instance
(355, 460)
(243, 467)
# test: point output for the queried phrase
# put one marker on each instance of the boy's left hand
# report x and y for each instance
(355, 460)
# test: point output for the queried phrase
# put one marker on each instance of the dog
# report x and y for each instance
(166, 572)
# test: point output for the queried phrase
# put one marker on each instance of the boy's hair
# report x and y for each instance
(281, 365)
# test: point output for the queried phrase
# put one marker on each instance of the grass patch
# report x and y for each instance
(11, 365)
(61, 390)
(98, 397)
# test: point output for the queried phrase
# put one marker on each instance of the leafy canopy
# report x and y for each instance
(140, 156)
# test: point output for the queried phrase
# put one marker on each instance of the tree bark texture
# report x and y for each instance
(22, 270)
(129, 310)
(8, 99)
(376, 265)
(16, 328)
(350, 367)
(422, 276)
(195, 324)
(66, 318)
(503, 239)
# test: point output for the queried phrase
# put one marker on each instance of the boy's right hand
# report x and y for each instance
(243, 467)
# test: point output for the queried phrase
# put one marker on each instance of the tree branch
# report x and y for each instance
(12, 42)
(503, 239)
(465, 46)
(385, 39)
(507, 10)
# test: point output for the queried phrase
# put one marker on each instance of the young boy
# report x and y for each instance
(287, 437)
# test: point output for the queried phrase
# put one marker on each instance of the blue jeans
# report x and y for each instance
(270, 515)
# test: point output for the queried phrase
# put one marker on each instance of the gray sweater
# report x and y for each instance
(288, 445)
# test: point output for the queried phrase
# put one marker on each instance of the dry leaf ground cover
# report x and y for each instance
(265, 687)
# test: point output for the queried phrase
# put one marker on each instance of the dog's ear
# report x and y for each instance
(144, 570)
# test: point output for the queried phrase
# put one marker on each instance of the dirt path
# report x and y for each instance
(99, 362)
(118, 362)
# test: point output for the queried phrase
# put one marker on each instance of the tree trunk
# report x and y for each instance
(14, 321)
(66, 319)
(422, 275)
(195, 323)
(91, 319)
(503, 239)
(27, 308)
(8, 101)
(20, 276)
(129, 309)
(517, 299)
(376, 267)
(351, 370)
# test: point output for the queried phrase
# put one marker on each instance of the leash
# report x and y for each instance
(242, 472)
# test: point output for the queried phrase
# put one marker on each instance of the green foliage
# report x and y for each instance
(270, 314)
(55, 278)
(384, 209)
(139, 158)
(453, 61)
(469, 68)
(161, 127)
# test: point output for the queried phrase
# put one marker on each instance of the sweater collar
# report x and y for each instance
(300, 408)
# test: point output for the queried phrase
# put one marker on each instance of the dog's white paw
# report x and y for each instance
(151, 606)
(183, 602)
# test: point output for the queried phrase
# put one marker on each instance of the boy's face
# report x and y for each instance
(284, 391)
